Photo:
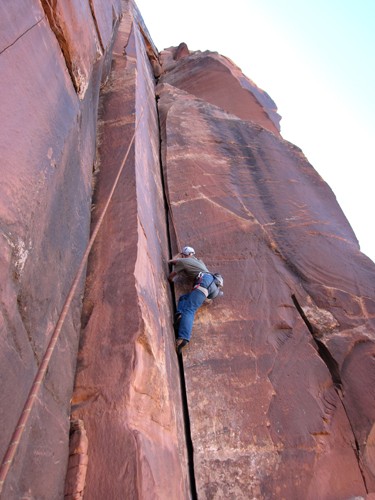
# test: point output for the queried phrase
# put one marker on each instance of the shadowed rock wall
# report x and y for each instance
(279, 372)
(127, 389)
(52, 62)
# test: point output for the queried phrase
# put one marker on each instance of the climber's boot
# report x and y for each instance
(180, 344)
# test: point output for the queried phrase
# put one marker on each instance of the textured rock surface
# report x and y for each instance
(127, 388)
(268, 418)
(280, 372)
(217, 80)
(70, 22)
(47, 144)
(78, 460)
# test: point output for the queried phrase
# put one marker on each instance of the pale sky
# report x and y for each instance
(315, 58)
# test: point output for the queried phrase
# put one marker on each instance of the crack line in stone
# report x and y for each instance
(185, 406)
(24, 33)
(333, 368)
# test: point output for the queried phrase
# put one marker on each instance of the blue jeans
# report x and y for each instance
(187, 307)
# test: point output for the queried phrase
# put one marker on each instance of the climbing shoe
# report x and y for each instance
(180, 344)
(176, 323)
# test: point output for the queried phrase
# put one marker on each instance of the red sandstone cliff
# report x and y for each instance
(273, 370)
(52, 63)
(279, 376)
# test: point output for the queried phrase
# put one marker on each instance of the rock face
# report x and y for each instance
(127, 368)
(215, 79)
(277, 395)
(273, 372)
(47, 144)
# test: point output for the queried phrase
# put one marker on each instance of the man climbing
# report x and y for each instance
(204, 287)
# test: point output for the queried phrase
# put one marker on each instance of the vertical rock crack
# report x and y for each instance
(334, 370)
(185, 407)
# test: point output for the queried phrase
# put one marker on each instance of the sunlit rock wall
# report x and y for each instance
(280, 372)
(52, 63)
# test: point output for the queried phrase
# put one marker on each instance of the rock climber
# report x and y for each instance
(204, 287)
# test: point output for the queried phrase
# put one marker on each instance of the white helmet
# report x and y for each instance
(188, 250)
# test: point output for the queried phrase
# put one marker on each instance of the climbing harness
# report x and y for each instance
(198, 284)
(16, 437)
(210, 292)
